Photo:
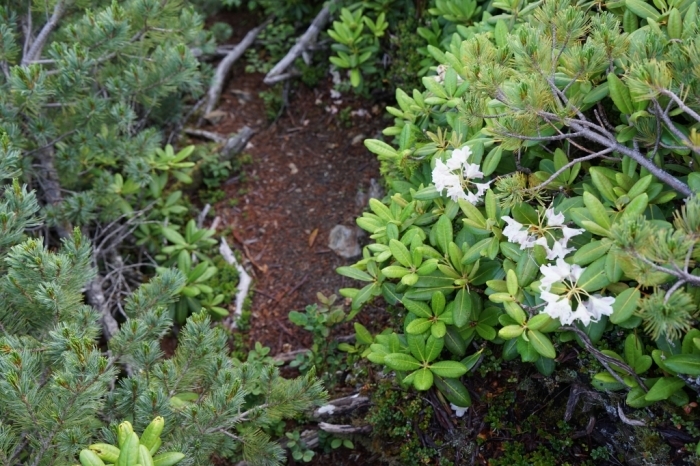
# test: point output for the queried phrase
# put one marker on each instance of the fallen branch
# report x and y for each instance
(225, 66)
(244, 280)
(200, 133)
(342, 405)
(302, 44)
(344, 429)
(237, 143)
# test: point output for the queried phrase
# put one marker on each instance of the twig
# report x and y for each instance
(200, 133)
(556, 174)
(681, 104)
(237, 143)
(302, 44)
(202, 215)
(628, 421)
(225, 66)
(344, 429)
(604, 359)
(38, 45)
(244, 280)
(342, 405)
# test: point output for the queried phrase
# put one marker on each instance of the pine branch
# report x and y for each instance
(38, 45)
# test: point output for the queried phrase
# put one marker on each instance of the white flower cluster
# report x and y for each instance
(456, 176)
(558, 306)
(529, 236)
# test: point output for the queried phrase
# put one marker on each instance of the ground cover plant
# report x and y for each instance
(543, 191)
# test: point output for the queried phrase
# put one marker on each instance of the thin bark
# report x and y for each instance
(225, 66)
(302, 44)
(38, 45)
(344, 429)
(244, 280)
(237, 143)
(662, 175)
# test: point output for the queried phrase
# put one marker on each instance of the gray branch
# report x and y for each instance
(274, 75)
(225, 66)
(38, 45)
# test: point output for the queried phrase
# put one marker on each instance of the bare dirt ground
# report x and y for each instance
(309, 171)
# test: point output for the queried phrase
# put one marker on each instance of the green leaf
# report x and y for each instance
(619, 93)
(688, 364)
(418, 308)
(602, 184)
(454, 390)
(173, 236)
(492, 160)
(541, 343)
(463, 308)
(443, 232)
(433, 348)
(418, 326)
(664, 388)
(594, 277)
(454, 341)
(422, 379)
(592, 251)
(643, 10)
(636, 398)
(401, 362)
(354, 273)
(400, 253)
(381, 148)
(362, 335)
(625, 304)
(525, 214)
(448, 369)
(597, 210)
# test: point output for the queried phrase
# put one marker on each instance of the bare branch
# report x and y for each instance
(224, 67)
(604, 359)
(275, 74)
(662, 175)
(681, 104)
(556, 174)
(38, 45)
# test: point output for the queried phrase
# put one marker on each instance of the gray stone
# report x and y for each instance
(343, 241)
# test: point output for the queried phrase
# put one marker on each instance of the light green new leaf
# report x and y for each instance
(422, 379)
(355, 274)
(625, 304)
(400, 253)
(664, 388)
(401, 362)
(449, 369)
(688, 364)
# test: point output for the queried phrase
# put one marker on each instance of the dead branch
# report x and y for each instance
(244, 280)
(237, 143)
(225, 66)
(342, 406)
(302, 44)
(96, 298)
(344, 429)
(200, 133)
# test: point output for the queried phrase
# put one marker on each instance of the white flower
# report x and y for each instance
(558, 249)
(529, 236)
(459, 411)
(517, 233)
(598, 306)
(559, 306)
(554, 220)
(457, 175)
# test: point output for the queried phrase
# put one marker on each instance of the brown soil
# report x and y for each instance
(308, 173)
